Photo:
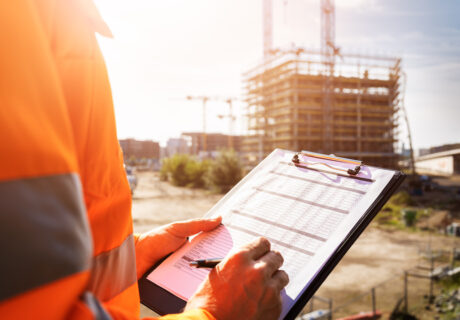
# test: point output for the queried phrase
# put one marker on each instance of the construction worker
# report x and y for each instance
(67, 246)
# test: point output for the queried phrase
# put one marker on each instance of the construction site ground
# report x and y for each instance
(379, 256)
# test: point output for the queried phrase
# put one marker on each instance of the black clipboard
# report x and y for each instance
(156, 298)
(335, 258)
(163, 302)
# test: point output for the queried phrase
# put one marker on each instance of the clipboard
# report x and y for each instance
(164, 302)
(358, 229)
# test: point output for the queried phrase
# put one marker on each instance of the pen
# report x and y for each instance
(205, 263)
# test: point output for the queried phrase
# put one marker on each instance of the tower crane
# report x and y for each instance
(204, 99)
(327, 9)
(328, 52)
(267, 21)
(230, 116)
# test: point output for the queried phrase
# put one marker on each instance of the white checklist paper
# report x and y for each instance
(305, 212)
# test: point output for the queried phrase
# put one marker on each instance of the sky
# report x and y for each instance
(163, 51)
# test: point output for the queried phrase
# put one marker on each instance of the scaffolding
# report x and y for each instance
(297, 100)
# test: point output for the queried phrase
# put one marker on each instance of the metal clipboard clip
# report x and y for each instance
(296, 159)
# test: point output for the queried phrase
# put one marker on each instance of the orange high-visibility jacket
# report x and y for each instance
(66, 244)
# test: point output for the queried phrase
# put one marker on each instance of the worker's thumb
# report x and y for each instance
(191, 227)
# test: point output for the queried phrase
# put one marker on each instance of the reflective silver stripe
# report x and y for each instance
(114, 271)
(44, 233)
(94, 305)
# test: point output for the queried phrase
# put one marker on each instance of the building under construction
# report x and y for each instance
(301, 100)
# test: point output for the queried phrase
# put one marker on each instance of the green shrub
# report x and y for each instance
(178, 169)
(409, 216)
(196, 171)
(402, 198)
(165, 169)
(391, 211)
(224, 172)
(183, 170)
(218, 175)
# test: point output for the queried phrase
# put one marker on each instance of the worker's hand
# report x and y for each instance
(155, 244)
(245, 285)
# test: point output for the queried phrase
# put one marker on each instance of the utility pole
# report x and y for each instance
(204, 99)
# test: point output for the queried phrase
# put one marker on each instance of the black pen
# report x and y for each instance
(205, 263)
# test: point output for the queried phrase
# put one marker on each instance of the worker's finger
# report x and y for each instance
(257, 248)
(281, 279)
(190, 227)
(271, 261)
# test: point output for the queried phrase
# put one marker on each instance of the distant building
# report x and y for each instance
(405, 152)
(177, 145)
(445, 147)
(163, 152)
(214, 142)
(140, 149)
(444, 163)
(423, 151)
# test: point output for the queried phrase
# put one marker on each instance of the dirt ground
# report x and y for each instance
(156, 203)
(377, 256)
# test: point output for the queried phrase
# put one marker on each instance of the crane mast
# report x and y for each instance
(328, 53)
(203, 99)
(328, 28)
(267, 28)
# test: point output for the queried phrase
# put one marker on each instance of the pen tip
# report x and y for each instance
(193, 264)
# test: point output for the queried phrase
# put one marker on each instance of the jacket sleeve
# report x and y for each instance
(46, 243)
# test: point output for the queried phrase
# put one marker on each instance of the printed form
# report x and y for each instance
(305, 212)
